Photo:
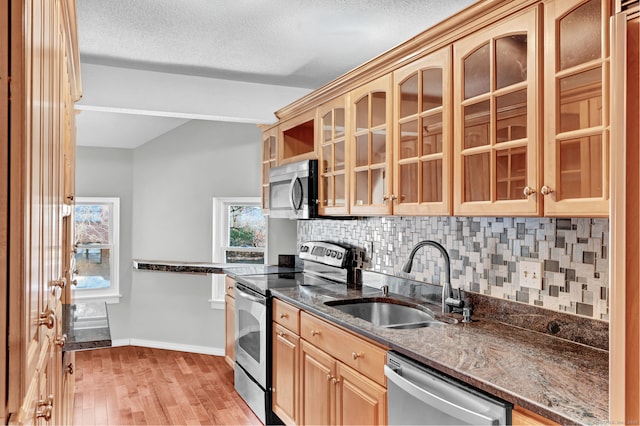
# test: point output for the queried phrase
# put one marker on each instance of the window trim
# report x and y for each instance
(112, 294)
(219, 229)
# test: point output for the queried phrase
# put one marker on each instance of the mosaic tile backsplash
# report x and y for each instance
(486, 253)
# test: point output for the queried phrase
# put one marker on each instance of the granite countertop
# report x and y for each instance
(207, 268)
(86, 326)
(561, 380)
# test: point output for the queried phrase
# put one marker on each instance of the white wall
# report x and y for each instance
(170, 183)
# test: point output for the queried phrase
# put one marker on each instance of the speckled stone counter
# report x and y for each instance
(86, 326)
(207, 268)
(561, 380)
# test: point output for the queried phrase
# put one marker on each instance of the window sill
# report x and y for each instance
(108, 299)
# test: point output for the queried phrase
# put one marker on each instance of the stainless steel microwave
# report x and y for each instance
(293, 192)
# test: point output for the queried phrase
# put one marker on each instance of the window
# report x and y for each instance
(96, 259)
(239, 236)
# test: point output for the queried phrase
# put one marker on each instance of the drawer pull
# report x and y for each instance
(45, 407)
(356, 355)
(314, 332)
(329, 377)
(335, 381)
(60, 341)
(47, 318)
(284, 315)
(281, 334)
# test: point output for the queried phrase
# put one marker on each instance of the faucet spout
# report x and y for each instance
(448, 301)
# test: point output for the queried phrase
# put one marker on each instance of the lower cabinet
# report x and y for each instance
(323, 374)
(523, 417)
(229, 321)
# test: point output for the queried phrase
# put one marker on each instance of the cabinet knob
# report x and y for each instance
(284, 315)
(47, 318)
(60, 341)
(69, 368)
(335, 381)
(314, 332)
(45, 407)
(281, 334)
(356, 355)
(528, 191)
(62, 282)
(545, 190)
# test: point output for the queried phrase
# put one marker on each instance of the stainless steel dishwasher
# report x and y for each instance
(419, 395)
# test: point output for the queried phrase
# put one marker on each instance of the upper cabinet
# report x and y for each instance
(423, 135)
(371, 148)
(269, 158)
(496, 119)
(576, 150)
(296, 139)
(333, 157)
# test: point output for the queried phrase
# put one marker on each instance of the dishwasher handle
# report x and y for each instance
(435, 401)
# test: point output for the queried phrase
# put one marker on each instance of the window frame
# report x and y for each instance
(112, 294)
(220, 238)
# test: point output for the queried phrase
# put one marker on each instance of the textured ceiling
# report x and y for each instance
(301, 44)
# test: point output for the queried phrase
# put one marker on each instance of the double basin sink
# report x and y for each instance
(390, 313)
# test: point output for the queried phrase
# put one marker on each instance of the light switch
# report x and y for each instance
(531, 274)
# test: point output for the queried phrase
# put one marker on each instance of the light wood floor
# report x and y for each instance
(132, 385)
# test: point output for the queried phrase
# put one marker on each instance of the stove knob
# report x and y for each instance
(334, 253)
(339, 256)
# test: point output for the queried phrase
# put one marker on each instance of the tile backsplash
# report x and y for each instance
(486, 253)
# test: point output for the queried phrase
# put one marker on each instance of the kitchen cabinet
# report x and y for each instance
(371, 110)
(286, 362)
(423, 136)
(296, 139)
(229, 321)
(576, 76)
(333, 191)
(341, 376)
(269, 158)
(523, 417)
(496, 99)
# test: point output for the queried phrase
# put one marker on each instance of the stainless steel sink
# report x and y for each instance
(388, 313)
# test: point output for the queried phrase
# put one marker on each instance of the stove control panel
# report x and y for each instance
(326, 253)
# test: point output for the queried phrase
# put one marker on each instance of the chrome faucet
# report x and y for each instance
(448, 301)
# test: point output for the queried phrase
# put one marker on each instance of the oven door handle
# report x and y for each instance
(249, 296)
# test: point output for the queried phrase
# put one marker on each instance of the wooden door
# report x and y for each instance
(576, 178)
(333, 191)
(317, 390)
(371, 112)
(285, 365)
(423, 136)
(359, 400)
(496, 150)
(229, 326)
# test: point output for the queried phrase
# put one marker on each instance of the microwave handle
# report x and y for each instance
(295, 180)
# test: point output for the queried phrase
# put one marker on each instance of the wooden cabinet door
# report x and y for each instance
(285, 365)
(333, 124)
(229, 330)
(359, 401)
(496, 150)
(422, 136)
(576, 178)
(371, 112)
(317, 388)
(269, 158)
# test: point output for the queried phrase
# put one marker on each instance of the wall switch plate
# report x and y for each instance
(531, 275)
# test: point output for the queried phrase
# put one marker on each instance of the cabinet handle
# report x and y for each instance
(230, 287)
(60, 341)
(47, 318)
(335, 381)
(314, 332)
(528, 191)
(69, 368)
(281, 334)
(545, 190)
(284, 315)
(393, 197)
(62, 282)
(45, 407)
(356, 355)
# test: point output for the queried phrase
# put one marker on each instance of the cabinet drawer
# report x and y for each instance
(229, 286)
(365, 357)
(286, 315)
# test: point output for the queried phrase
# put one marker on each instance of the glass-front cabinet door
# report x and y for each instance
(269, 146)
(333, 191)
(576, 179)
(423, 135)
(496, 153)
(371, 148)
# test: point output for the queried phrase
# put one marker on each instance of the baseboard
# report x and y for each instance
(206, 350)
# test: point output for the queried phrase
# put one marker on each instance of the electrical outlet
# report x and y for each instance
(531, 275)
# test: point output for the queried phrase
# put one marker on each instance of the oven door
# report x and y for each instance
(251, 333)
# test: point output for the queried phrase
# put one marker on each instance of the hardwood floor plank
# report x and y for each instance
(134, 385)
